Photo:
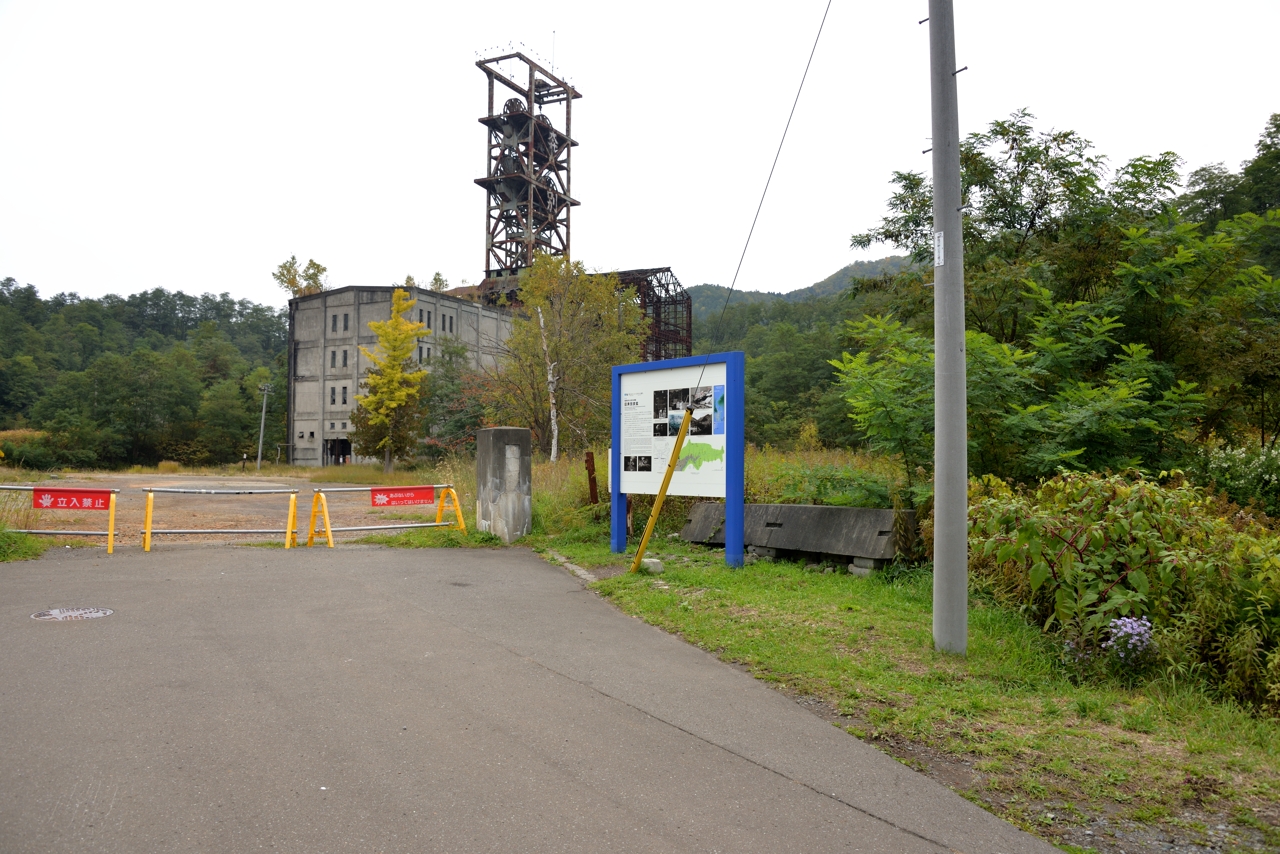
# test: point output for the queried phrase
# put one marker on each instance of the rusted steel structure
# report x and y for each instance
(529, 201)
(528, 171)
(667, 307)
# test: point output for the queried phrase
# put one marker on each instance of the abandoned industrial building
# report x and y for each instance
(326, 332)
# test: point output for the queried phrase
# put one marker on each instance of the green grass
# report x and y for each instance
(15, 546)
(435, 538)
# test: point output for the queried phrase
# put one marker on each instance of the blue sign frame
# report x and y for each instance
(735, 449)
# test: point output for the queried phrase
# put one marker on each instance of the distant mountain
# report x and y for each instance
(708, 300)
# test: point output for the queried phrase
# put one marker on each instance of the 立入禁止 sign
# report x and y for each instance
(70, 499)
(402, 496)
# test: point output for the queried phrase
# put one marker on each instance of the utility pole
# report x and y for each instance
(265, 388)
(951, 451)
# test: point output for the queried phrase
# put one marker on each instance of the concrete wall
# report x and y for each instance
(317, 348)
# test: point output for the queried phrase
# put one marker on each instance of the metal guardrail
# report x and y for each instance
(72, 498)
(441, 493)
(290, 530)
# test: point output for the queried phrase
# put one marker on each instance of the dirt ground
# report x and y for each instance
(195, 511)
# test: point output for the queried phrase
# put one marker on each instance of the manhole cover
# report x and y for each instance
(61, 614)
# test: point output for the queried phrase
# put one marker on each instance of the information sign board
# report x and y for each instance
(649, 402)
(653, 404)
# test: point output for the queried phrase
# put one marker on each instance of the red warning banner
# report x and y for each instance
(51, 498)
(402, 495)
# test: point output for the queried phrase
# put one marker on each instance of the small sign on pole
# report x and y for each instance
(402, 496)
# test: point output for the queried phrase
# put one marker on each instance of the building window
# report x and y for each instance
(344, 322)
(333, 358)
(428, 320)
(451, 324)
(333, 395)
(330, 425)
(311, 435)
(344, 358)
(428, 354)
(301, 435)
(344, 425)
(419, 353)
(344, 395)
(419, 315)
(333, 327)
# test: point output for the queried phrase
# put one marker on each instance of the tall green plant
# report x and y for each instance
(1081, 550)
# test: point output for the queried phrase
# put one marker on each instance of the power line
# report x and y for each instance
(767, 182)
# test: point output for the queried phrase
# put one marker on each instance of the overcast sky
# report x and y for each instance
(195, 146)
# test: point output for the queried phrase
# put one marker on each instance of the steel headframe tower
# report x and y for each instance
(951, 450)
(527, 178)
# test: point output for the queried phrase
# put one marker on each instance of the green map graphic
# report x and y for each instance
(696, 453)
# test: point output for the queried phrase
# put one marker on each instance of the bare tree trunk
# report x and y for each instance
(387, 462)
(551, 389)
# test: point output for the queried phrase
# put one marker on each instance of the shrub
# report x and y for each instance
(1081, 552)
(1245, 475)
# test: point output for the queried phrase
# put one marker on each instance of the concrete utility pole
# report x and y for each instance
(951, 452)
(266, 389)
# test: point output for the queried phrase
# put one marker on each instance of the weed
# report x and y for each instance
(15, 546)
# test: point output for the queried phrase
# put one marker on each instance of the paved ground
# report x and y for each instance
(375, 700)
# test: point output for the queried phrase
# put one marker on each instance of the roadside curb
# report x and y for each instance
(574, 568)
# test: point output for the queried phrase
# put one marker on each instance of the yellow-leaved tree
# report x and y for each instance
(309, 280)
(555, 375)
(388, 417)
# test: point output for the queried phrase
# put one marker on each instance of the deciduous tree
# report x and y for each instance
(573, 326)
(388, 416)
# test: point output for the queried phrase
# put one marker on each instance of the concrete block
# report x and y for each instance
(652, 565)
(838, 534)
(504, 482)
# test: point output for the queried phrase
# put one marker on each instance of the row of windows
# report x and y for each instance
(333, 356)
(344, 425)
(446, 322)
(333, 395)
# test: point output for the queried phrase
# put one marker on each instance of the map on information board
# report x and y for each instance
(652, 407)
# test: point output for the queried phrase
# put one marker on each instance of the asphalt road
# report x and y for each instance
(376, 700)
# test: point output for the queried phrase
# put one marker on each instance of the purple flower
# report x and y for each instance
(1129, 637)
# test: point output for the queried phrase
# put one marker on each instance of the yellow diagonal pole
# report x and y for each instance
(662, 493)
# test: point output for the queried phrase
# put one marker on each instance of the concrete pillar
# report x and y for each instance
(504, 482)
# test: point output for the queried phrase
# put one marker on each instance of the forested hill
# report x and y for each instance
(132, 379)
(709, 299)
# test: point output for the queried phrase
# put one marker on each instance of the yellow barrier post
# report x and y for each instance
(324, 511)
(111, 524)
(662, 493)
(457, 508)
(146, 523)
(311, 526)
(319, 503)
(291, 524)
